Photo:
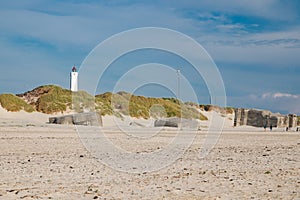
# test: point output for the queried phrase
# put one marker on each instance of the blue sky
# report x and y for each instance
(255, 44)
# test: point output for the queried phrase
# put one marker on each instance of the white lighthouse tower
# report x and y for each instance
(74, 80)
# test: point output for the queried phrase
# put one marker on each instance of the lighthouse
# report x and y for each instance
(74, 80)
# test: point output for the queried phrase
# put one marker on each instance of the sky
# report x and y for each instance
(254, 44)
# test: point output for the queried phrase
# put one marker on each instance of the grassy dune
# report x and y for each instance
(12, 103)
(145, 107)
(53, 99)
(56, 99)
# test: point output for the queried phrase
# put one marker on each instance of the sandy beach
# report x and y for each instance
(46, 161)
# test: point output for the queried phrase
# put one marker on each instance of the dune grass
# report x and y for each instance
(12, 103)
(57, 99)
(53, 99)
(145, 107)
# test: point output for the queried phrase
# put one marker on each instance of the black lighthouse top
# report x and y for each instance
(74, 69)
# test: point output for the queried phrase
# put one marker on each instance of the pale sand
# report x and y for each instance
(43, 161)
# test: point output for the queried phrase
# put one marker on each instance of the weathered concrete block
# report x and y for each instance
(165, 122)
(261, 118)
(68, 119)
(89, 119)
(52, 120)
(177, 122)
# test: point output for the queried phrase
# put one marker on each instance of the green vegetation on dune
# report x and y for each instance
(53, 99)
(145, 107)
(12, 103)
(56, 99)
(229, 110)
(103, 103)
(82, 101)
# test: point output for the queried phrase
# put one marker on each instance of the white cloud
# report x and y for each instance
(274, 49)
(284, 103)
(278, 101)
(279, 95)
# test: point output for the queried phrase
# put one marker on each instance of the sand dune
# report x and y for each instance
(45, 161)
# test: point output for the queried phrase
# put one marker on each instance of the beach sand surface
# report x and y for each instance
(46, 161)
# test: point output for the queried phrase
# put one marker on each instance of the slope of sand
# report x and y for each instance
(44, 161)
